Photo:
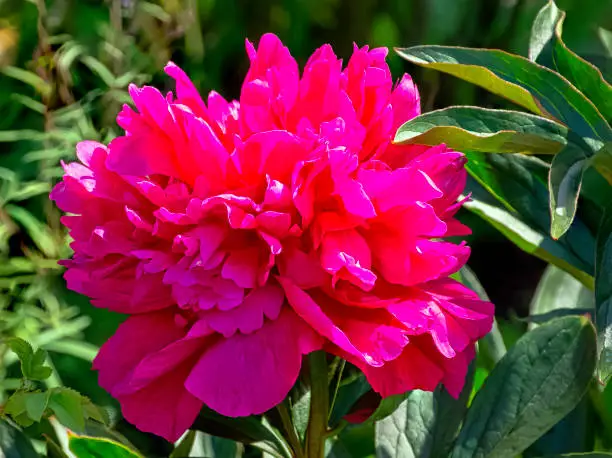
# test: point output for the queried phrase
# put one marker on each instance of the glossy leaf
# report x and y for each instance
(13, 443)
(602, 161)
(559, 291)
(484, 130)
(530, 85)
(90, 447)
(424, 425)
(520, 210)
(603, 296)
(539, 381)
(564, 183)
(547, 48)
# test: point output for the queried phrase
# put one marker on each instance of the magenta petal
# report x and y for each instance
(249, 374)
(413, 369)
(135, 338)
(164, 407)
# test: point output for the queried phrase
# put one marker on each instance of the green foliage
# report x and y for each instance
(480, 129)
(539, 381)
(64, 71)
(423, 425)
(92, 447)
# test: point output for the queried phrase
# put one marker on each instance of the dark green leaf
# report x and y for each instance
(13, 443)
(539, 381)
(559, 294)
(581, 455)
(530, 85)
(349, 392)
(248, 430)
(94, 447)
(54, 450)
(602, 161)
(541, 318)
(184, 447)
(355, 441)
(218, 447)
(424, 425)
(564, 183)
(603, 296)
(484, 130)
(547, 48)
(522, 214)
(572, 434)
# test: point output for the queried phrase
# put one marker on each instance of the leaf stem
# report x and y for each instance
(292, 437)
(319, 405)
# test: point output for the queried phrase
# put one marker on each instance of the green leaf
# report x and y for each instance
(38, 232)
(29, 78)
(248, 430)
(571, 434)
(424, 425)
(530, 85)
(300, 413)
(32, 363)
(602, 161)
(94, 447)
(349, 392)
(564, 183)
(218, 447)
(547, 48)
(99, 69)
(484, 130)
(13, 443)
(184, 447)
(16, 408)
(603, 296)
(36, 404)
(521, 211)
(539, 381)
(582, 455)
(66, 404)
(559, 291)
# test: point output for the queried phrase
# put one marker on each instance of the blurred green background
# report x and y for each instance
(64, 70)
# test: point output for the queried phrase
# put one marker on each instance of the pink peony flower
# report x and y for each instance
(240, 236)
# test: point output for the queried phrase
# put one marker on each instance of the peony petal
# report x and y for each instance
(248, 374)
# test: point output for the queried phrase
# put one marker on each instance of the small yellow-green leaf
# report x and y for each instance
(95, 447)
(484, 130)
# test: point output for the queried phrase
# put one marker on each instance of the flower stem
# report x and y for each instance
(319, 405)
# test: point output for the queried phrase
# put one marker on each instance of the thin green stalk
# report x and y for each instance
(319, 405)
(336, 388)
(291, 433)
